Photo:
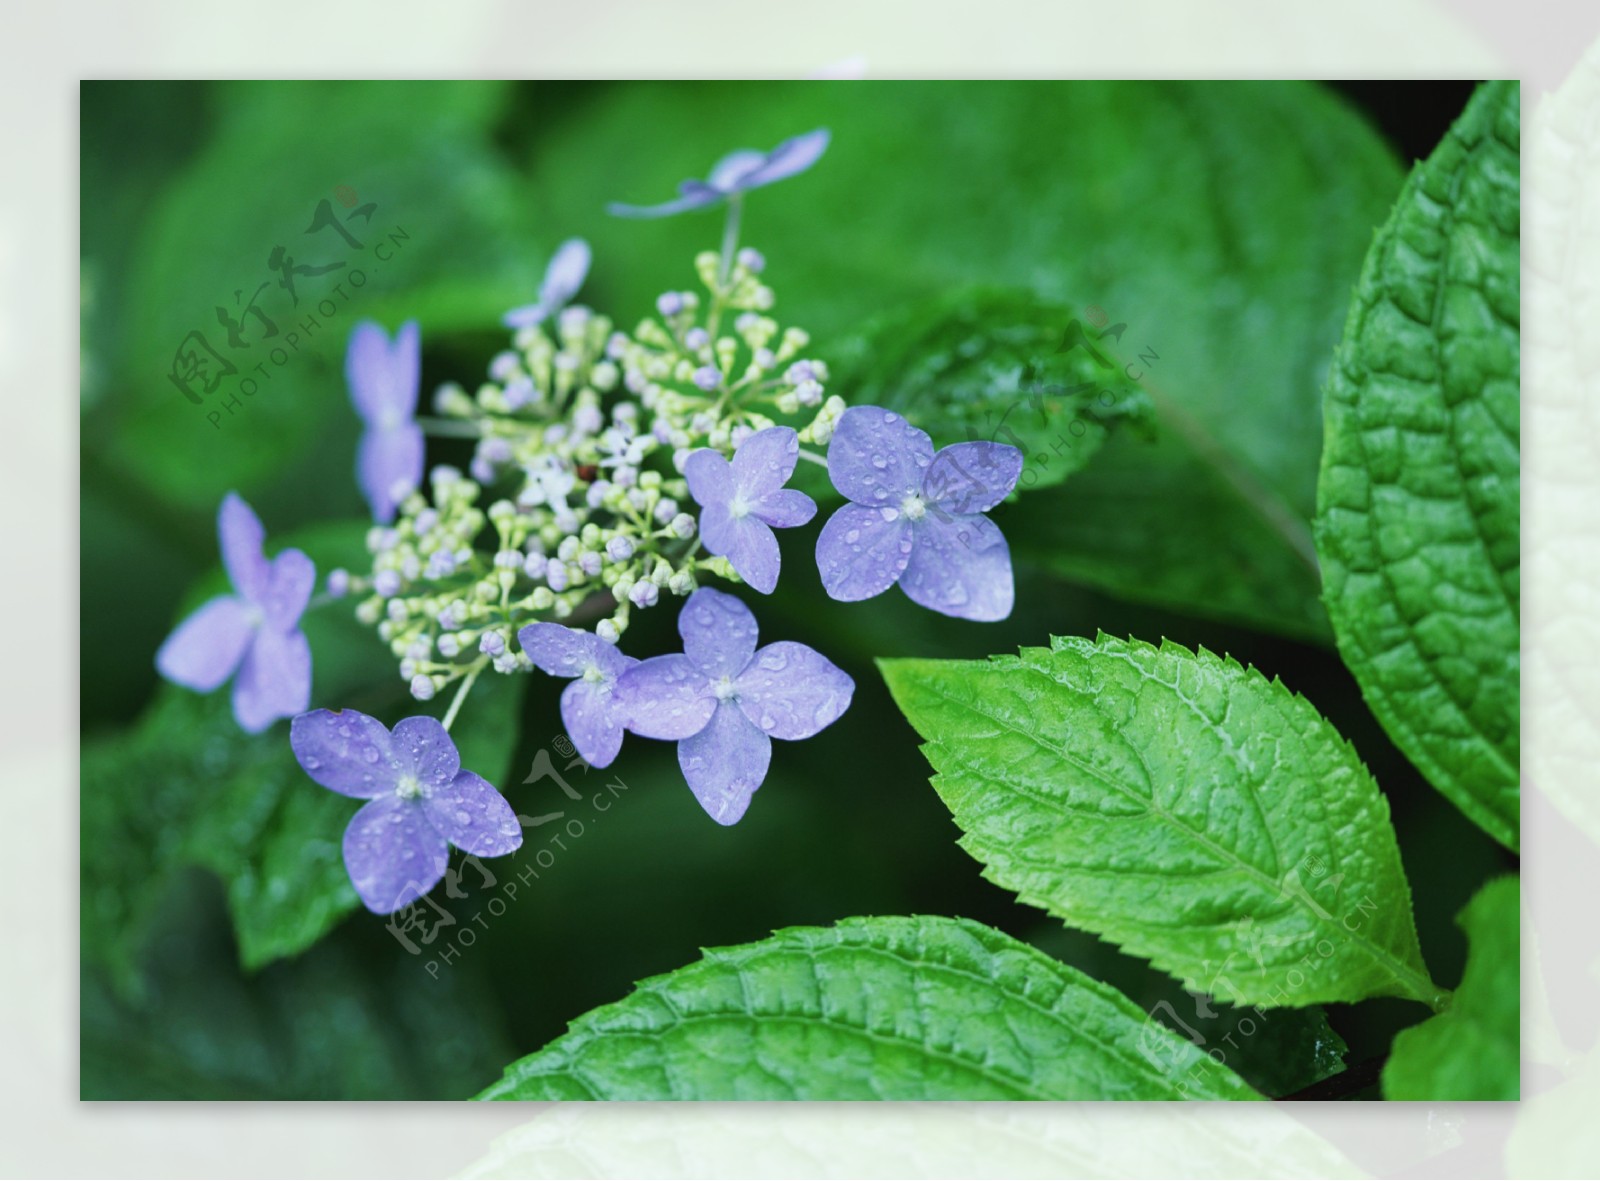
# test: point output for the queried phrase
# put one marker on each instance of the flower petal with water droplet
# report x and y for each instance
(792, 691)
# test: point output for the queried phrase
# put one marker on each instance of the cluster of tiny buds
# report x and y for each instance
(587, 500)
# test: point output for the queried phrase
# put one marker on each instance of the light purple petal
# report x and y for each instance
(205, 648)
(665, 697)
(861, 551)
(384, 459)
(960, 566)
(764, 462)
(785, 508)
(528, 316)
(693, 195)
(792, 691)
(474, 817)
(567, 270)
(593, 716)
(384, 376)
(710, 477)
(393, 853)
(725, 763)
(719, 633)
(274, 681)
(971, 477)
(289, 585)
(790, 157)
(746, 542)
(345, 751)
(423, 744)
(241, 535)
(560, 651)
(877, 457)
(728, 173)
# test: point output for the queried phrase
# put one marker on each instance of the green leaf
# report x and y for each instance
(356, 1017)
(1470, 1051)
(450, 216)
(187, 788)
(1417, 517)
(988, 363)
(1182, 806)
(1222, 225)
(872, 1008)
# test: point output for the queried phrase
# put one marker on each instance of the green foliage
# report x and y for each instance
(1180, 805)
(989, 363)
(186, 788)
(1222, 224)
(1470, 1051)
(872, 1008)
(423, 154)
(353, 1018)
(1419, 498)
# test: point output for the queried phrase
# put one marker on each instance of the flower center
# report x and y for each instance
(913, 507)
(739, 506)
(408, 788)
(724, 689)
(592, 673)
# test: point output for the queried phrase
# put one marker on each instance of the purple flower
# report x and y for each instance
(737, 173)
(421, 802)
(383, 380)
(568, 268)
(723, 702)
(253, 631)
(589, 707)
(917, 518)
(742, 502)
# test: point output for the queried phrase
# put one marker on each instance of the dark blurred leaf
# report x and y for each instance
(1221, 224)
(355, 1018)
(450, 216)
(988, 363)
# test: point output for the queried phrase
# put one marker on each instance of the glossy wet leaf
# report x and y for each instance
(1182, 806)
(1419, 500)
(871, 1008)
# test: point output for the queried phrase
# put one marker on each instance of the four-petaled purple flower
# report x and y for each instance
(255, 630)
(724, 702)
(568, 268)
(593, 715)
(420, 801)
(384, 379)
(917, 517)
(742, 502)
(737, 173)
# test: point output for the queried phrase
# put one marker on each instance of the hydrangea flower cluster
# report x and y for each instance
(593, 447)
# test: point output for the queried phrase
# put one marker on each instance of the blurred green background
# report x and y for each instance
(1223, 224)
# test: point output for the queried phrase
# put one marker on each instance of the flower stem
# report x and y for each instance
(813, 457)
(730, 238)
(461, 693)
(449, 428)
